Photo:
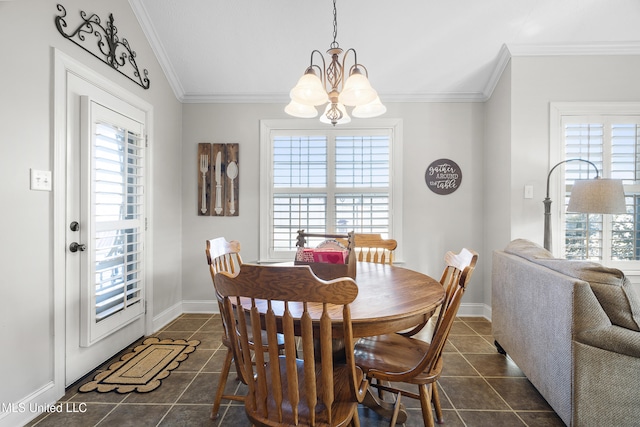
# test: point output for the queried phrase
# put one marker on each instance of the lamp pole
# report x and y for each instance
(547, 202)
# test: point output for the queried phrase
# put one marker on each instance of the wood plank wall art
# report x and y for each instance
(218, 179)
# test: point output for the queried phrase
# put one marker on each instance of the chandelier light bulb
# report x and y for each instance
(357, 90)
(302, 111)
(372, 109)
(309, 90)
(330, 117)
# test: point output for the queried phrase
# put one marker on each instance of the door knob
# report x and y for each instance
(75, 247)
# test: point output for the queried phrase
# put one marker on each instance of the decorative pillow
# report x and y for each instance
(614, 291)
(331, 244)
(610, 286)
(304, 255)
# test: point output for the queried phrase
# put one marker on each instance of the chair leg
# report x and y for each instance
(355, 420)
(435, 398)
(425, 404)
(226, 367)
(380, 391)
(396, 409)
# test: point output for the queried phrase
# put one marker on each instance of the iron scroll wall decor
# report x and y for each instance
(110, 49)
(443, 176)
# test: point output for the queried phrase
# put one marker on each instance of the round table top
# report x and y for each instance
(392, 298)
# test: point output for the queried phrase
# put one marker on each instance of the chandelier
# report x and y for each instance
(327, 85)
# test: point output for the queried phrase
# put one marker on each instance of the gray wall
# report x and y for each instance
(536, 82)
(497, 176)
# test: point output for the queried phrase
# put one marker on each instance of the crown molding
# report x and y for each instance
(555, 49)
(156, 45)
(272, 98)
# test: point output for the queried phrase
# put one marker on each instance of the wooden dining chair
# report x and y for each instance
(287, 390)
(407, 359)
(225, 256)
(373, 248)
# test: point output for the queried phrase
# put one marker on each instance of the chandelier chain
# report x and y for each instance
(335, 44)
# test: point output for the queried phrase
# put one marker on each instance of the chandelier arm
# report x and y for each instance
(355, 63)
(322, 69)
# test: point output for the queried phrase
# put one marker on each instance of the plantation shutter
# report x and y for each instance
(114, 295)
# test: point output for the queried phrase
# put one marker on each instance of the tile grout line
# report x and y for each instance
(195, 376)
(485, 380)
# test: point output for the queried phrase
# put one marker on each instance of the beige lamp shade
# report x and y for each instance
(604, 196)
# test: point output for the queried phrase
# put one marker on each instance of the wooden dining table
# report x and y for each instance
(390, 299)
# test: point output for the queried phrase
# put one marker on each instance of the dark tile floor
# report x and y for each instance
(479, 387)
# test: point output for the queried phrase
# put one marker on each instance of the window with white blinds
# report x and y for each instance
(118, 205)
(612, 143)
(325, 181)
(114, 293)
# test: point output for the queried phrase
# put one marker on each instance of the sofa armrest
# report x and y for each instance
(612, 338)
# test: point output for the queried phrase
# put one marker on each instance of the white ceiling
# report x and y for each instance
(414, 50)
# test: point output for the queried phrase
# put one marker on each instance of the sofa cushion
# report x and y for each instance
(527, 249)
(613, 290)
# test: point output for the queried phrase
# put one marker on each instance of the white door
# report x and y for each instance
(105, 287)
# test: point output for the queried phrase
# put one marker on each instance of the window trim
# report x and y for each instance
(557, 111)
(267, 127)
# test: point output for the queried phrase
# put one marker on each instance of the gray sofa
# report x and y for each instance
(573, 327)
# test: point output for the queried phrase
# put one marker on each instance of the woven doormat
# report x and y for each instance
(144, 368)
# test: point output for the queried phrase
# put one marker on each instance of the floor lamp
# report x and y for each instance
(598, 195)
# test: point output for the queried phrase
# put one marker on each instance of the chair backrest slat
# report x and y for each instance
(327, 359)
(306, 332)
(373, 248)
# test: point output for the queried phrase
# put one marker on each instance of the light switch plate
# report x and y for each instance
(528, 191)
(40, 180)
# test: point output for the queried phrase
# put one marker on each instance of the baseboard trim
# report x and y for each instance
(475, 310)
(167, 316)
(200, 306)
(42, 400)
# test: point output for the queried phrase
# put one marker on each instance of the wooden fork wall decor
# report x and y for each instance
(218, 179)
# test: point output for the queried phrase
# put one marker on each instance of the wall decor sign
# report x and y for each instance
(218, 179)
(443, 176)
(108, 47)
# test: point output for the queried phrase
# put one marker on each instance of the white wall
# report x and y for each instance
(27, 307)
(432, 224)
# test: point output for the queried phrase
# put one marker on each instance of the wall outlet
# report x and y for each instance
(40, 180)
